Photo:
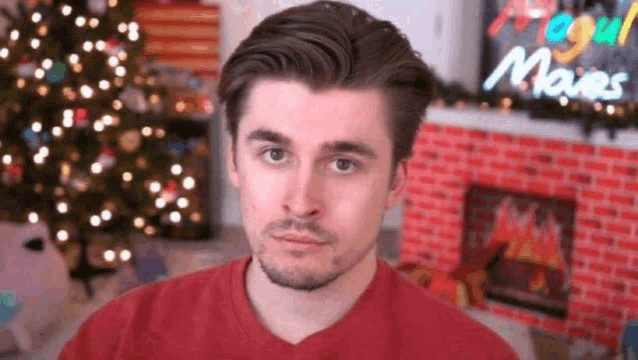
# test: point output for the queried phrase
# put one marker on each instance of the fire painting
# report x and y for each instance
(529, 239)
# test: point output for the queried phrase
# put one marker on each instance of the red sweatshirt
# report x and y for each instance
(207, 315)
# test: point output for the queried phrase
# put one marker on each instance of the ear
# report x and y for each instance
(233, 175)
(398, 185)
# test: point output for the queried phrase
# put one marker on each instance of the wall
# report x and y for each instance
(602, 179)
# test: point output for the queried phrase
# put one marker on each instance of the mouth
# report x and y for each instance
(299, 240)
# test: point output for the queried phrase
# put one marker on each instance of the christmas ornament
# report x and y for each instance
(170, 191)
(97, 7)
(80, 181)
(194, 82)
(34, 141)
(130, 140)
(134, 99)
(176, 148)
(81, 117)
(113, 46)
(26, 67)
(57, 73)
(107, 157)
(12, 174)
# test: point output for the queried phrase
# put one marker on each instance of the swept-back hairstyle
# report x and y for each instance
(332, 45)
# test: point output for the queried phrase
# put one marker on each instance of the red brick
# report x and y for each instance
(616, 258)
(625, 301)
(476, 162)
(565, 192)
(463, 174)
(610, 342)
(583, 149)
(539, 187)
(426, 180)
(621, 199)
(593, 195)
(583, 208)
(425, 231)
(580, 332)
(412, 190)
(628, 245)
(568, 161)
(600, 268)
(625, 170)
(633, 156)
(631, 186)
(578, 264)
(610, 313)
(630, 215)
(601, 296)
(478, 135)
(447, 260)
(597, 166)
(587, 252)
(554, 145)
(603, 240)
(429, 154)
(614, 329)
(611, 183)
(585, 279)
(488, 179)
(464, 147)
(529, 141)
(542, 158)
(590, 223)
(453, 158)
(618, 228)
(452, 185)
(442, 143)
(575, 291)
(440, 169)
(500, 166)
(607, 211)
(455, 131)
(627, 274)
(502, 138)
(449, 236)
(634, 290)
(553, 174)
(584, 179)
(511, 180)
(615, 286)
(489, 150)
(429, 128)
(527, 170)
(514, 155)
(594, 323)
(612, 153)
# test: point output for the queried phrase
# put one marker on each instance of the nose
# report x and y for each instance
(304, 195)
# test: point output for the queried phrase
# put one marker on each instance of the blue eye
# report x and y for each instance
(339, 161)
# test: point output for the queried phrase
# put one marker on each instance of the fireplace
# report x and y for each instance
(532, 269)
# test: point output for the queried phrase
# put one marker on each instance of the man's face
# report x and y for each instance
(290, 182)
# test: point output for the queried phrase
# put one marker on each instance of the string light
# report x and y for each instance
(36, 17)
(154, 99)
(95, 220)
(43, 90)
(610, 109)
(39, 73)
(122, 55)
(120, 71)
(47, 63)
(80, 21)
(154, 187)
(112, 3)
(66, 169)
(36, 126)
(33, 217)
(196, 217)
(175, 216)
(127, 176)
(96, 168)
(125, 255)
(100, 45)
(62, 207)
(133, 26)
(38, 158)
(188, 182)
(564, 101)
(113, 61)
(118, 82)
(87, 46)
(67, 122)
(109, 255)
(104, 84)
(107, 119)
(44, 151)
(133, 36)
(159, 132)
(138, 222)
(106, 215)
(63, 235)
(598, 106)
(147, 131)
(77, 68)
(4, 52)
(182, 202)
(86, 91)
(43, 30)
(121, 27)
(98, 126)
(149, 230)
(117, 104)
(180, 106)
(35, 43)
(66, 10)
(74, 58)
(57, 131)
(176, 169)
(20, 83)
(160, 203)
(6, 159)
(15, 34)
(94, 22)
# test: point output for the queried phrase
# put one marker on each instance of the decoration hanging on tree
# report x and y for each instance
(107, 157)
(171, 191)
(12, 174)
(57, 73)
(81, 118)
(25, 67)
(130, 140)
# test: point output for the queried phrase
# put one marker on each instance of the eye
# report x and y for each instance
(280, 153)
(36, 245)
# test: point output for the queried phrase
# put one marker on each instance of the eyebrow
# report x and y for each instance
(355, 147)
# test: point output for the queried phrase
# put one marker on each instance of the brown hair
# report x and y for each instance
(327, 45)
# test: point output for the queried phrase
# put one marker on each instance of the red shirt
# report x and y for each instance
(207, 315)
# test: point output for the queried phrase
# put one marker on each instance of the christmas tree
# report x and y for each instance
(80, 147)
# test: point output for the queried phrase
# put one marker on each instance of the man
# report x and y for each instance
(323, 103)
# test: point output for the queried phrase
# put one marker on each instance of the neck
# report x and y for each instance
(293, 315)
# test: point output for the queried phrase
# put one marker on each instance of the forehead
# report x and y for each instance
(292, 108)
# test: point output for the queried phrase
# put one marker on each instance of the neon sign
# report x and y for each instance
(580, 32)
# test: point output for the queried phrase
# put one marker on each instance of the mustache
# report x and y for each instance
(298, 226)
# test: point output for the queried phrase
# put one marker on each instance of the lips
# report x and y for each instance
(300, 240)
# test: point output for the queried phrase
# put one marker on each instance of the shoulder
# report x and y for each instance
(441, 325)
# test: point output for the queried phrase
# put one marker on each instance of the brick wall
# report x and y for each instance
(602, 180)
